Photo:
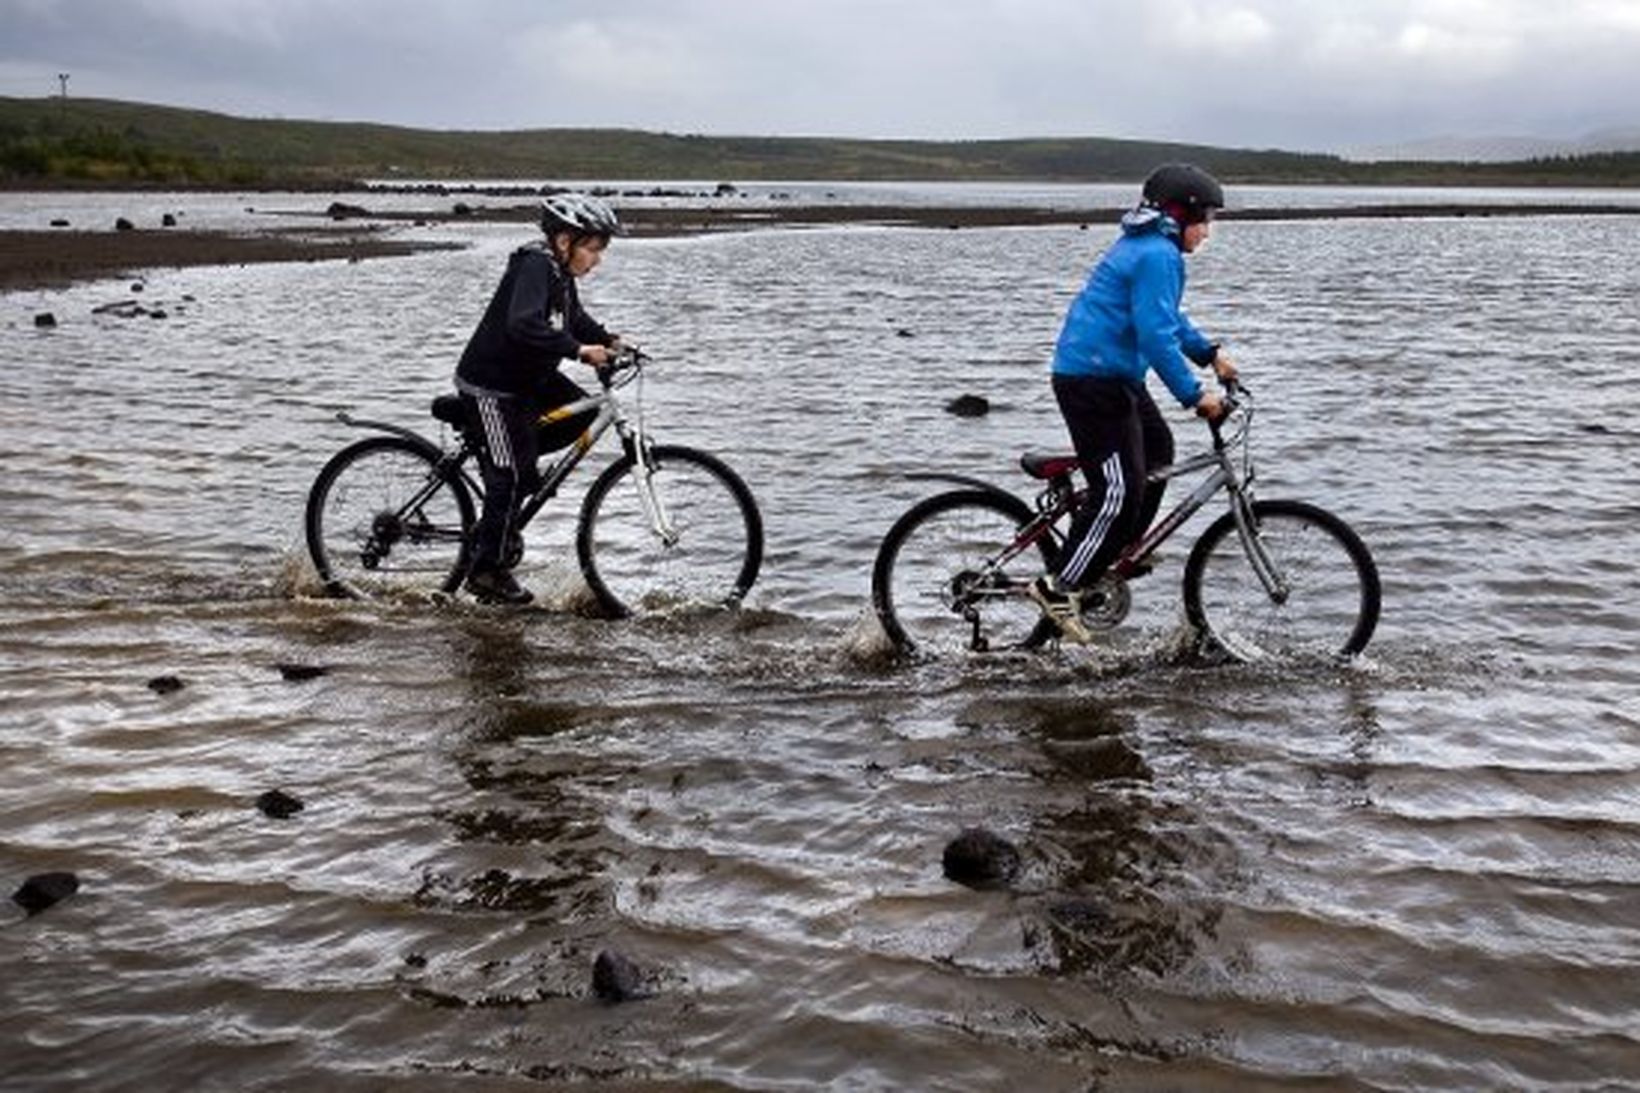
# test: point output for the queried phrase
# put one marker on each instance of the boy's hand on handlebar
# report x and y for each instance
(596, 355)
(1211, 407)
(1225, 368)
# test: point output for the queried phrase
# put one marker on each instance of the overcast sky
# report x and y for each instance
(1301, 74)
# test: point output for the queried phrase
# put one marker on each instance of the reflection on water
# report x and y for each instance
(1414, 872)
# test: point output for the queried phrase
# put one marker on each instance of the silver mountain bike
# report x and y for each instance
(1267, 578)
(662, 527)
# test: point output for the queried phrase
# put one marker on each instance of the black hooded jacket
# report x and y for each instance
(533, 322)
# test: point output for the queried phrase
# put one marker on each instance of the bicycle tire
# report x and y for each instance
(1335, 595)
(932, 549)
(719, 550)
(366, 544)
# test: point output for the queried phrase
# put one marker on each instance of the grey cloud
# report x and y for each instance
(1249, 72)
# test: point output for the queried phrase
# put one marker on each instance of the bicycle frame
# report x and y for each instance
(1060, 498)
(610, 413)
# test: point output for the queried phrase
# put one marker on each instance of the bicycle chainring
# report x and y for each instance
(1106, 604)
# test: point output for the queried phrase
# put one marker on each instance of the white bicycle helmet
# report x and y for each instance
(579, 213)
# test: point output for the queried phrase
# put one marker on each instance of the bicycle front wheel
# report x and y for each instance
(947, 577)
(383, 520)
(1329, 598)
(692, 536)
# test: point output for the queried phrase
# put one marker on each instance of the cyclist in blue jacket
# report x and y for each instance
(1127, 321)
(508, 375)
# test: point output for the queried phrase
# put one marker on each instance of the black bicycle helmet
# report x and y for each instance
(580, 214)
(1184, 186)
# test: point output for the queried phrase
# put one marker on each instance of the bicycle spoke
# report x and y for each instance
(947, 580)
(1328, 601)
(381, 522)
(706, 552)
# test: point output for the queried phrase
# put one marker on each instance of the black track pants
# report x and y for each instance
(1119, 436)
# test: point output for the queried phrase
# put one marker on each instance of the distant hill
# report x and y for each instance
(1502, 149)
(108, 142)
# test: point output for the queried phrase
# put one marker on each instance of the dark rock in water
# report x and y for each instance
(165, 685)
(137, 286)
(902, 332)
(981, 859)
(279, 804)
(1104, 759)
(296, 673)
(461, 208)
(168, 221)
(59, 223)
(341, 210)
(123, 225)
(158, 313)
(415, 960)
(45, 319)
(45, 890)
(615, 978)
(969, 406)
(1596, 428)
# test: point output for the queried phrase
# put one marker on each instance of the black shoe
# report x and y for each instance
(497, 586)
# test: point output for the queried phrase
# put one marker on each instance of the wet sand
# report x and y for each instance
(51, 259)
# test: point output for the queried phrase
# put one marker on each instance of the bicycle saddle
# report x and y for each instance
(448, 409)
(1048, 464)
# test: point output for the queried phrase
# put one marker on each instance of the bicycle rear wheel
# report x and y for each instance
(383, 520)
(1333, 593)
(712, 555)
(938, 586)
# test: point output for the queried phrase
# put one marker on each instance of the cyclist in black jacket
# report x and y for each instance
(508, 375)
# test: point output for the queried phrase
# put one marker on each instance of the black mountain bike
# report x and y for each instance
(664, 526)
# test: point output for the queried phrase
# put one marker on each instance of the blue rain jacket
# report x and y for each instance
(1127, 317)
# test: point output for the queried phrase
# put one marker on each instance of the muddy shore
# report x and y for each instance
(53, 258)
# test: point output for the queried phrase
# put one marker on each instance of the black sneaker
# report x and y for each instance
(1063, 608)
(497, 586)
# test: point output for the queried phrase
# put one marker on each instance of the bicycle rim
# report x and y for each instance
(381, 523)
(717, 545)
(938, 587)
(1333, 599)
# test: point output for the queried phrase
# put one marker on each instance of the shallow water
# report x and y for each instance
(1421, 871)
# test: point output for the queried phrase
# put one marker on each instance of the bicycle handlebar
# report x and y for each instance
(1236, 396)
(629, 359)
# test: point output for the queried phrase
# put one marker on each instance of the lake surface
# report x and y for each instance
(1418, 871)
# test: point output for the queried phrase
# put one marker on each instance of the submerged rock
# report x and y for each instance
(340, 210)
(123, 225)
(616, 979)
(279, 805)
(296, 673)
(979, 858)
(44, 890)
(45, 319)
(969, 406)
(164, 685)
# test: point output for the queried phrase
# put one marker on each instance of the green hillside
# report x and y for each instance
(106, 142)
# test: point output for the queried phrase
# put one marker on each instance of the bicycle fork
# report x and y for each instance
(643, 473)
(1258, 556)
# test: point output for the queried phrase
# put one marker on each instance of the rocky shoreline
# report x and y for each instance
(58, 257)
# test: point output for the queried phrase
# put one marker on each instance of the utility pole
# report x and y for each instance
(62, 78)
